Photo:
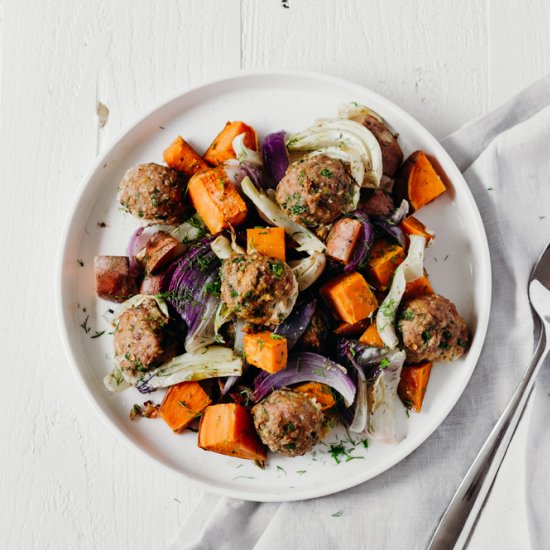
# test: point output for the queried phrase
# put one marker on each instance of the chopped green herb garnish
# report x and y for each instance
(277, 268)
(408, 315)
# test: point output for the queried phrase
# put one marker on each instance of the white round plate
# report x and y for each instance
(458, 265)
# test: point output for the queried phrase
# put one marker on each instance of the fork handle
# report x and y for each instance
(458, 520)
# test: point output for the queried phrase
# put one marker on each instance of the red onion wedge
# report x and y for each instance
(308, 367)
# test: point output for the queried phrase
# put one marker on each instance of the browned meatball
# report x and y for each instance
(288, 422)
(392, 156)
(143, 338)
(432, 329)
(258, 288)
(316, 191)
(154, 193)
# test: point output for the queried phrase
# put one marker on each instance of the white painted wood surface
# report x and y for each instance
(66, 481)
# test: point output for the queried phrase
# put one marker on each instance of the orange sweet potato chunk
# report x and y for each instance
(182, 404)
(320, 392)
(342, 239)
(418, 287)
(349, 297)
(371, 337)
(266, 350)
(269, 241)
(228, 429)
(383, 260)
(413, 226)
(418, 182)
(216, 200)
(347, 329)
(182, 157)
(221, 149)
(413, 384)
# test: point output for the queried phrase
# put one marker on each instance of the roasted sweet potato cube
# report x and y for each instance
(269, 241)
(413, 384)
(384, 257)
(321, 393)
(371, 337)
(182, 157)
(221, 149)
(342, 239)
(347, 329)
(228, 429)
(349, 298)
(113, 280)
(417, 182)
(160, 250)
(413, 226)
(182, 404)
(266, 350)
(216, 200)
(418, 287)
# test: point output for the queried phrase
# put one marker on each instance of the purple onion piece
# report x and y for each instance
(390, 228)
(276, 159)
(254, 173)
(294, 326)
(308, 367)
(353, 353)
(390, 224)
(236, 172)
(139, 239)
(366, 240)
(143, 387)
(188, 280)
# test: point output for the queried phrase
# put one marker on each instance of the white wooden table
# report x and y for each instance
(66, 481)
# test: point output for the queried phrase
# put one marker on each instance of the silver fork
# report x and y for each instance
(459, 519)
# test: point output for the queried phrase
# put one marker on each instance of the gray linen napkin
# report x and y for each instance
(505, 158)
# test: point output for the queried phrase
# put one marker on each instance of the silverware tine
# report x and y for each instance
(459, 519)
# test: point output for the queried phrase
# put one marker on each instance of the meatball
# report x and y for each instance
(259, 289)
(288, 422)
(316, 191)
(154, 193)
(432, 329)
(143, 338)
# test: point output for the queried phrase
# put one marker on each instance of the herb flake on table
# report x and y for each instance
(337, 514)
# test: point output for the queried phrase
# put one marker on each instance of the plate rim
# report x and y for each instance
(269, 495)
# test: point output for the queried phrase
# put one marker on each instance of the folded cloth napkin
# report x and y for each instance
(505, 159)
